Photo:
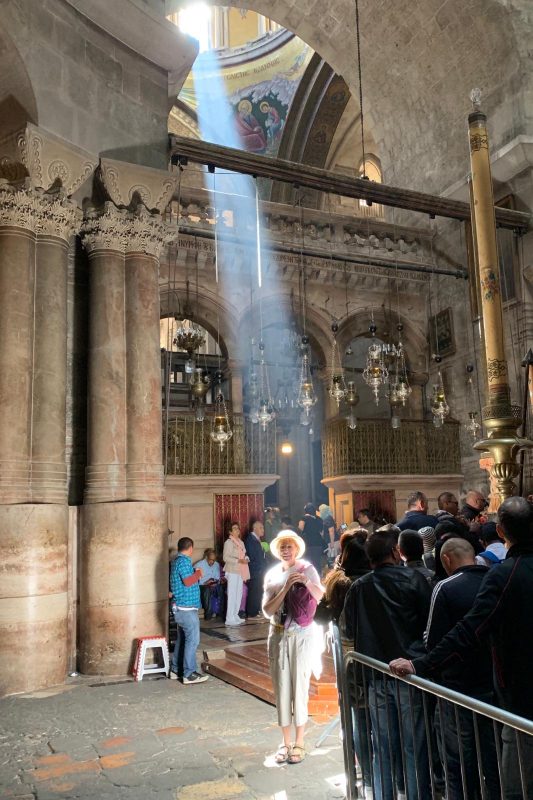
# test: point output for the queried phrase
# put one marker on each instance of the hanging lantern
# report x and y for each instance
(351, 399)
(403, 388)
(221, 432)
(199, 386)
(375, 373)
(306, 393)
(439, 405)
(189, 337)
(473, 426)
(395, 400)
(337, 385)
(266, 412)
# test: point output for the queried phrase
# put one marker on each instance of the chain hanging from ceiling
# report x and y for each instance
(306, 397)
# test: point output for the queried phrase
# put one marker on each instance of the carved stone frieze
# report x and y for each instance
(124, 182)
(112, 228)
(42, 213)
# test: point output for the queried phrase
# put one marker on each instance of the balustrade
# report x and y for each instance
(375, 448)
(191, 451)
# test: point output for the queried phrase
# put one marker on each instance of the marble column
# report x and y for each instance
(48, 441)
(104, 238)
(17, 258)
(124, 573)
(144, 469)
(34, 230)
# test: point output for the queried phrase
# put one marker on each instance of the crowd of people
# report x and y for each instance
(445, 595)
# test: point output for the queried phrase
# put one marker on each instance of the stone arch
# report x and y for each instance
(433, 51)
(278, 309)
(213, 314)
(414, 338)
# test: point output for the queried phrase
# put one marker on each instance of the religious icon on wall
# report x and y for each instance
(441, 335)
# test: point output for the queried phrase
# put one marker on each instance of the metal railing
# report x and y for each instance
(192, 451)
(417, 739)
(375, 448)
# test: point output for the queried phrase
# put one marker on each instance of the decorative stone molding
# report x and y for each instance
(125, 231)
(37, 211)
(50, 159)
(122, 181)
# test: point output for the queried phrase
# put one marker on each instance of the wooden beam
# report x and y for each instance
(325, 181)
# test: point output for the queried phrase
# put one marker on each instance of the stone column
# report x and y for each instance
(60, 220)
(17, 258)
(124, 573)
(104, 238)
(144, 470)
(35, 228)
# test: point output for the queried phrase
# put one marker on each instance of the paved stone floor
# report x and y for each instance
(155, 740)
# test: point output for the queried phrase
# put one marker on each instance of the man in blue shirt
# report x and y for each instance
(184, 580)
(209, 582)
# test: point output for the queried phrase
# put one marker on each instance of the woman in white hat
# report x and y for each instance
(292, 590)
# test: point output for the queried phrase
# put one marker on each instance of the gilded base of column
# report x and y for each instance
(33, 596)
(504, 445)
(123, 582)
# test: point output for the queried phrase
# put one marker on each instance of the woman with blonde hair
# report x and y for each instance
(292, 590)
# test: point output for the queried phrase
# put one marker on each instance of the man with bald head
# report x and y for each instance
(501, 615)
(474, 505)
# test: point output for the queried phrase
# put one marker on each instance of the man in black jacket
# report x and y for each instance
(257, 565)
(452, 598)
(502, 615)
(312, 536)
(386, 610)
(416, 516)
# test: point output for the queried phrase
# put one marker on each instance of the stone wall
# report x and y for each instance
(90, 88)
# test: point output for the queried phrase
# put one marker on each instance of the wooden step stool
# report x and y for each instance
(145, 643)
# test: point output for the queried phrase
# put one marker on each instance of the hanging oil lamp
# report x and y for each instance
(221, 432)
(306, 394)
(266, 412)
(337, 385)
(439, 405)
(375, 373)
(189, 337)
(351, 399)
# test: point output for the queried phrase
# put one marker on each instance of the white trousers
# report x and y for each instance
(235, 584)
(290, 658)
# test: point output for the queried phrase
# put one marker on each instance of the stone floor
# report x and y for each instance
(98, 739)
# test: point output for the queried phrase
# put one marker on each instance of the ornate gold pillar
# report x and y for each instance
(502, 442)
(124, 573)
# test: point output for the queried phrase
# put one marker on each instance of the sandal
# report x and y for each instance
(281, 755)
(297, 754)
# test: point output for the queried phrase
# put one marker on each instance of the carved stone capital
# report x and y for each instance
(105, 229)
(42, 213)
(48, 160)
(147, 233)
(125, 183)
(124, 231)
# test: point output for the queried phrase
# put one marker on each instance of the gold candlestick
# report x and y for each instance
(502, 441)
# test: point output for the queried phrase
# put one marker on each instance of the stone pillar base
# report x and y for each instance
(33, 596)
(124, 582)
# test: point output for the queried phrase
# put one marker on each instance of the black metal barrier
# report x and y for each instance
(414, 739)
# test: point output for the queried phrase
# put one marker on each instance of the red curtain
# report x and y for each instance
(242, 508)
